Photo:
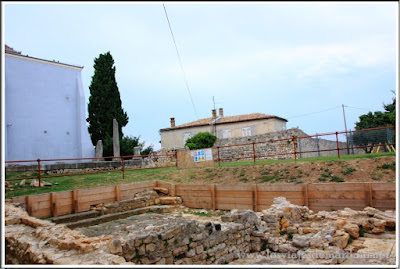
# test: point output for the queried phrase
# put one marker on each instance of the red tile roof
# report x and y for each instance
(9, 49)
(225, 119)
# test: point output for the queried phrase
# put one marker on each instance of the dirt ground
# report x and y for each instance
(382, 169)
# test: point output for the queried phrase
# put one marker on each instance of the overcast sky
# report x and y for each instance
(289, 59)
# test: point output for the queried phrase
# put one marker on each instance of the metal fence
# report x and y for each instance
(373, 140)
(365, 141)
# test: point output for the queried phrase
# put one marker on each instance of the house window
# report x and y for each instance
(186, 136)
(226, 133)
(246, 131)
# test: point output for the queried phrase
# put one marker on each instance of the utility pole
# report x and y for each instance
(345, 128)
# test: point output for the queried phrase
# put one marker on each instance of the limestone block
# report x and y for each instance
(270, 218)
(115, 246)
(150, 247)
(352, 229)
(301, 241)
(340, 239)
(170, 200)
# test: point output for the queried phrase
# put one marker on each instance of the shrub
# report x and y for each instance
(201, 140)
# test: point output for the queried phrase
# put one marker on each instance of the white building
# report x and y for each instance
(45, 111)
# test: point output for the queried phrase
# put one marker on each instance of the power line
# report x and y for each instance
(359, 108)
(315, 112)
(180, 62)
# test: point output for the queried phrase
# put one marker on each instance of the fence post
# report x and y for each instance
(219, 160)
(254, 153)
(337, 145)
(319, 153)
(122, 167)
(294, 149)
(176, 158)
(38, 160)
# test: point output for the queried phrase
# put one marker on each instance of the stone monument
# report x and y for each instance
(99, 150)
(116, 149)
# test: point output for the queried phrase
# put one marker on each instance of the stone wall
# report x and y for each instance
(282, 149)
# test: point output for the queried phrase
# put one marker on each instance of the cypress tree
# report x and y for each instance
(104, 101)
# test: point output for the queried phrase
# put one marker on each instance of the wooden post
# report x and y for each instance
(337, 146)
(254, 153)
(28, 205)
(53, 204)
(117, 193)
(370, 201)
(212, 190)
(255, 198)
(305, 194)
(75, 201)
(172, 189)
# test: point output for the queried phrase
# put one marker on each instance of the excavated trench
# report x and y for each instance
(151, 229)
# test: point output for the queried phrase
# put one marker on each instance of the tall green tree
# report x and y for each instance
(370, 138)
(104, 101)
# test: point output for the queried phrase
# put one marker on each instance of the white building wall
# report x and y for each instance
(45, 115)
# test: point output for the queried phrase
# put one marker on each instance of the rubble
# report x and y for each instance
(304, 237)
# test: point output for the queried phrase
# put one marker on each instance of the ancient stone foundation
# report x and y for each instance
(165, 239)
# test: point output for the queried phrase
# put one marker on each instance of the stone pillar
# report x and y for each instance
(99, 151)
(136, 151)
(116, 149)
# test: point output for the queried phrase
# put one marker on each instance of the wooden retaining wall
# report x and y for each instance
(67, 202)
(321, 196)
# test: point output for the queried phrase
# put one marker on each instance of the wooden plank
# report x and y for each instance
(95, 191)
(117, 193)
(233, 206)
(64, 195)
(231, 200)
(337, 202)
(241, 194)
(191, 187)
(198, 205)
(64, 201)
(239, 187)
(337, 195)
(194, 199)
(290, 194)
(163, 184)
(390, 204)
(336, 187)
(280, 188)
(383, 186)
(136, 185)
(41, 205)
(368, 195)
(41, 213)
(64, 209)
(329, 208)
(38, 198)
(97, 197)
(193, 193)
(386, 195)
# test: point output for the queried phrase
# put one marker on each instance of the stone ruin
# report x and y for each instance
(127, 235)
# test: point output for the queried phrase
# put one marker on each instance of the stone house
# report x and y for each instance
(222, 126)
(45, 111)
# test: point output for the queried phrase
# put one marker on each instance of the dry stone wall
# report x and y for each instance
(284, 149)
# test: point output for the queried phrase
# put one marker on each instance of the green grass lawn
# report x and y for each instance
(313, 159)
(114, 178)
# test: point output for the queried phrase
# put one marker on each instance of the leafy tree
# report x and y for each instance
(147, 151)
(104, 102)
(370, 138)
(201, 141)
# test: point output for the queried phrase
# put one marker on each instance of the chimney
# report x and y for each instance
(172, 122)
(214, 113)
(221, 112)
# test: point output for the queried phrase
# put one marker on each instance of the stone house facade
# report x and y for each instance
(45, 111)
(222, 126)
